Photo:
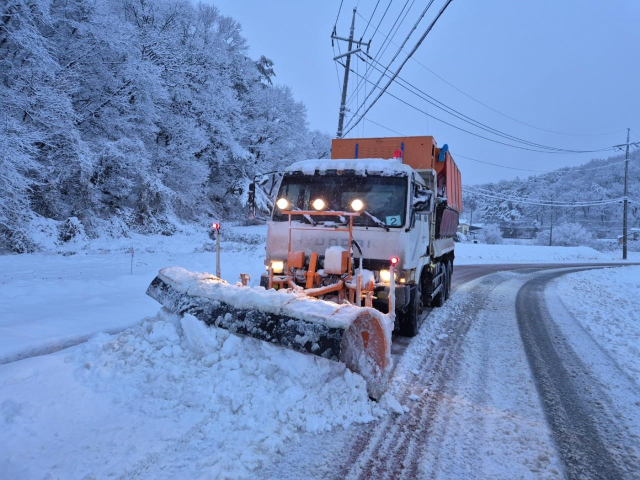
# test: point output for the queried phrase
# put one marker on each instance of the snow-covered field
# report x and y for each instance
(607, 305)
(48, 301)
(471, 254)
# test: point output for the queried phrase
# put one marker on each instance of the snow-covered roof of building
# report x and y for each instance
(361, 166)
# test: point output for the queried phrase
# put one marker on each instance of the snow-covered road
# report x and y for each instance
(483, 404)
(588, 399)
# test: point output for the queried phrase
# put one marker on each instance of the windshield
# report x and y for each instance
(384, 198)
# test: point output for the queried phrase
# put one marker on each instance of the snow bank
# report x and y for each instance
(190, 401)
(606, 302)
(287, 318)
(477, 253)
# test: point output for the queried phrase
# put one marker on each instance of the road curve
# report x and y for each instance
(397, 447)
(591, 443)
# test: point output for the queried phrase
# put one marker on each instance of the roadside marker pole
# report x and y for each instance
(132, 254)
(216, 229)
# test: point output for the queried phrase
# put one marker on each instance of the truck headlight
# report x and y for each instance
(385, 276)
(277, 266)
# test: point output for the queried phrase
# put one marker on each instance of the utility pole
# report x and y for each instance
(347, 66)
(551, 230)
(626, 206)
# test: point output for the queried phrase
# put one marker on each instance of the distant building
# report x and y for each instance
(633, 234)
(512, 230)
(463, 227)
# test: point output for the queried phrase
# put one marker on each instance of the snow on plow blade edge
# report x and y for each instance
(358, 337)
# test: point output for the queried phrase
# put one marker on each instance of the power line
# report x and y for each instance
(561, 172)
(464, 130)
(336, 65)
(381, 19)
(442, 106)
(338, 16)
(541, 203)
(383, 48)
(385, 45)
(548, 201)
(386, 128)
(495, 110)
(525, 202)
(370, 18)
(404, 62)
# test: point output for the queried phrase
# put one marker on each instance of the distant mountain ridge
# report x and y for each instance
(593, 182)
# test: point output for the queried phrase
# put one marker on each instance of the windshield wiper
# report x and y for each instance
(332, 223)
(376, 220)
(306, 217)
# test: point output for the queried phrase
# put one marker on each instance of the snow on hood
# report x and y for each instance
(362, 166)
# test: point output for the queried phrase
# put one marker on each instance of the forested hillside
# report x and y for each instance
(133, 115)
(599, 183)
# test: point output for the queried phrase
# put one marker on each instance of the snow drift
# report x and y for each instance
(168, 398)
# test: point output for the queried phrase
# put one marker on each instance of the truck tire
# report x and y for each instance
(438, 300)
(410, 320)
(449, 270)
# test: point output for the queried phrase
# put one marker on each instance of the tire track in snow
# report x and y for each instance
(590, 441)
(340, 453)
(372, 456)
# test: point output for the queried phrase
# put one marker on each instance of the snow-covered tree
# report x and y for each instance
(136, 114)
(566, 235)
(491, 234)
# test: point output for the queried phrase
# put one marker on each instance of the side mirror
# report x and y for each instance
(422, 200)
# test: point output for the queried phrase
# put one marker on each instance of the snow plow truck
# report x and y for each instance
(357, 246)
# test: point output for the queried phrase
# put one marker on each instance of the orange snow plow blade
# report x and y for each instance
(359, 337)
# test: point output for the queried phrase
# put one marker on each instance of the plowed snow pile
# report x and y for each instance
(606, 302)
(170, 398)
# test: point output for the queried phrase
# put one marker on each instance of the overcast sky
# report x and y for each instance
(568, 66)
